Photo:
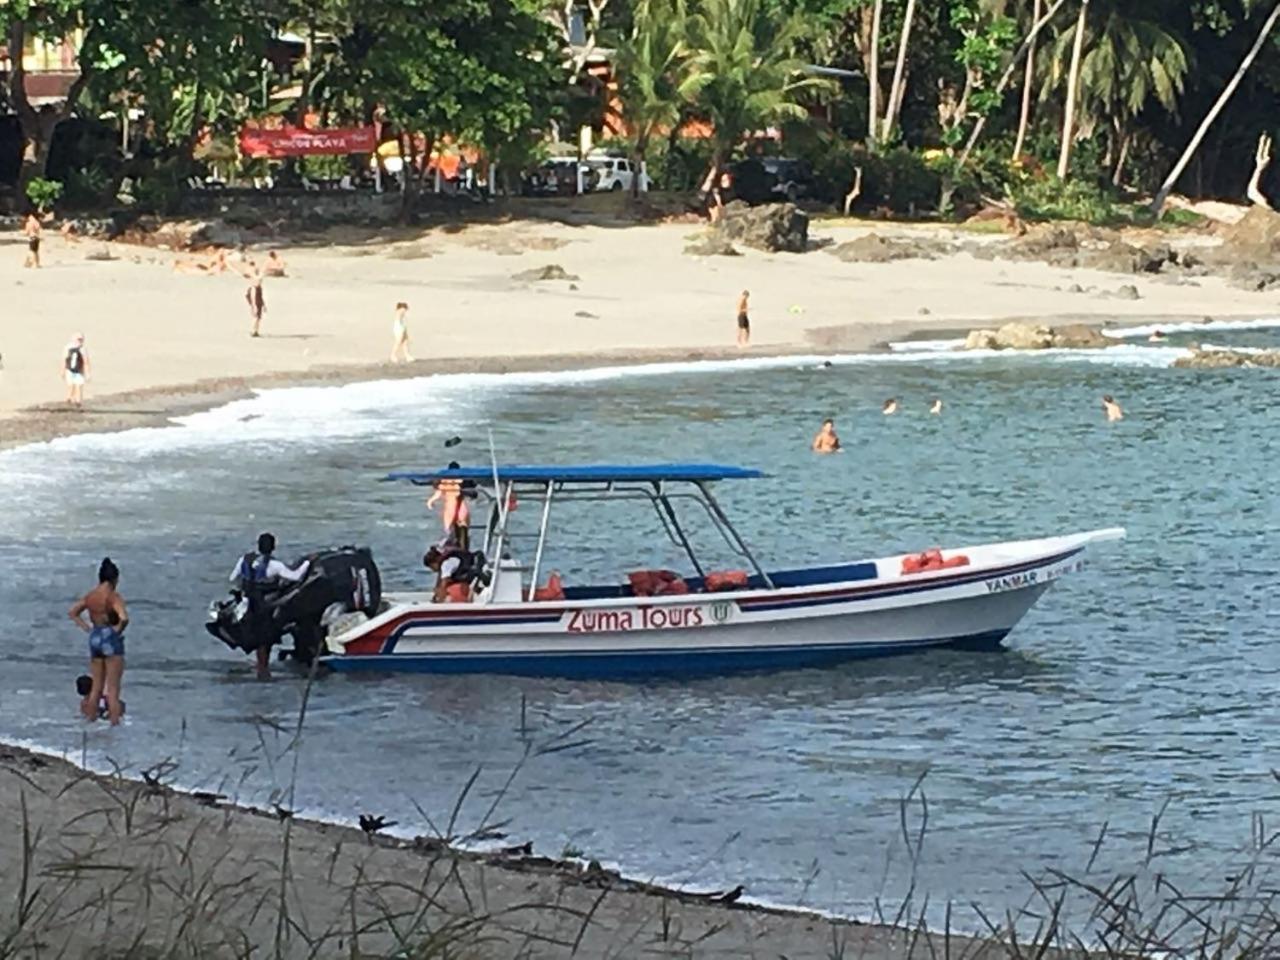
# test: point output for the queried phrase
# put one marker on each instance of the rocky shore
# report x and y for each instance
(1213, 359)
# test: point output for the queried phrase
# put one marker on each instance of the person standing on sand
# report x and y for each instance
(1112, 409)
(455, 513)
(744, 319)
(254, 297)
(108, 618)
(826, 441)
(32, 229)
(400, 335)
(75, 370)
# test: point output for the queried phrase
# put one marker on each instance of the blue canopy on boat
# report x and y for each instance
(586, 473)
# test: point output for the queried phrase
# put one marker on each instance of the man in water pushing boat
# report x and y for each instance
(255, 574)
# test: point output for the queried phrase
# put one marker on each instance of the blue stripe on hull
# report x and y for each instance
(639, 664)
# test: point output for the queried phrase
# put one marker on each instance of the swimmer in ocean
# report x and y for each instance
(1112, 409)
(826, 441)
(1157, 336)
(890, 407)
(937, 406)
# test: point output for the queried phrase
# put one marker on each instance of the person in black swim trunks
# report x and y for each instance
(32, 229)
(744, 321)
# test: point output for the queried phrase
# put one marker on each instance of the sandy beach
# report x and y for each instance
(162, 342)
(110, 866)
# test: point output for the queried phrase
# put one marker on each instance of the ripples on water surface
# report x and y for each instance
(1148, 678)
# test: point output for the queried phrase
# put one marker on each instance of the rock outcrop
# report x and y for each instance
(1227, 359)
(1030, 336)
(552, 271)
(711, 244)
(874, 248)
(775, 227)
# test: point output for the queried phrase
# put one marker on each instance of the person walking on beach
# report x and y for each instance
(32, 230)
(107, 619)
(75, 370)
(400, 335)
(826, 441)
(1112, 409)
(744, 319)
(254, 297)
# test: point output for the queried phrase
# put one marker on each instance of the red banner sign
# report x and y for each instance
(297, 142)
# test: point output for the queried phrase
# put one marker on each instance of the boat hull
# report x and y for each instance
(816, 625)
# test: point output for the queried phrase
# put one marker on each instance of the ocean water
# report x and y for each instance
(1145, 683)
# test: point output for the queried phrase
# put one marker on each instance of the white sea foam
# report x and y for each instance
(322, 414)
(1145, 330)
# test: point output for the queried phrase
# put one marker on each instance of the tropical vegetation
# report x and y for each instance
(929, 107)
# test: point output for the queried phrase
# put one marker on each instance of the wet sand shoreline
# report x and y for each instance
(120, 862)
(159, 406)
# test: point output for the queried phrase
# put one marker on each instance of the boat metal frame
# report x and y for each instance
(498, 534)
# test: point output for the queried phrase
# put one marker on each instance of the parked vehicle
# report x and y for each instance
(612, 173)
(772, 179)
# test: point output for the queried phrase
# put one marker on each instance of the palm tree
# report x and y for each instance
(1130, 62)
(751, 76)
(655, 74)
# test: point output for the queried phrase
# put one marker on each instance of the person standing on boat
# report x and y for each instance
(455, 512)
(826, 441)
(256, 574)
(107, 618)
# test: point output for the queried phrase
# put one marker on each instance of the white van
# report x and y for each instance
(614, 173)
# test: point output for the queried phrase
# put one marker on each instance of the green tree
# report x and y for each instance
(747, 53)
(1129, 62)
(656, 74)
(479, 71)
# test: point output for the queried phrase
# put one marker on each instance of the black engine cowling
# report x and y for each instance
(341, 580)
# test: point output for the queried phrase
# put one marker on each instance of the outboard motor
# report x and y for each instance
(339, 581)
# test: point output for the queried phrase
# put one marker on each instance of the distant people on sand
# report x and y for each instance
(217, 263)
(75, 370)
(107, 619)
(890, 407)
(274, 265)
(400, 335)
(1112, 409)
(936, 408)
(827, 441)
(32, 230)
(744, 319)
(254, 297)
(455, 512)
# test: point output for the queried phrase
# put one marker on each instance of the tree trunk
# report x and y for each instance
(1261, 160)
(873, 76)
(899, 88)
(1024, 118)
(637, 158)
(1073, 85)
(37, 126)
(1006, 77)
(1167, 187)
(1126, 140)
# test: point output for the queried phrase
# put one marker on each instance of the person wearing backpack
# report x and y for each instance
(75, 370)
